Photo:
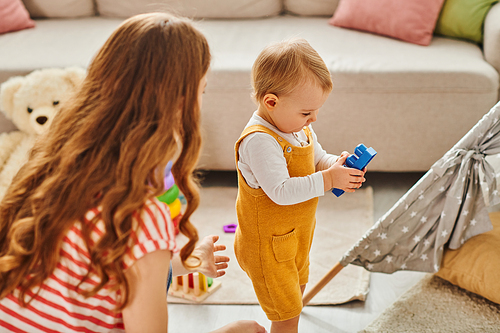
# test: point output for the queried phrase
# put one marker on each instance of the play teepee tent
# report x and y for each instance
(445, 207)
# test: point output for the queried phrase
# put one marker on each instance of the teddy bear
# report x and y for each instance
(31, 102)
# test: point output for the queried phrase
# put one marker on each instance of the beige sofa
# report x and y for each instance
(411, 103)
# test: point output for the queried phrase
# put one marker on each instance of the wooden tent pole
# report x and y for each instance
(328, 276)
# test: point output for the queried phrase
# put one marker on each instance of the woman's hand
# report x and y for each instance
(212, 265)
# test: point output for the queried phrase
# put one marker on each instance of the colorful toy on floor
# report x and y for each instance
(230, 228)
(359, 160)
(194, 287)
(171, 197)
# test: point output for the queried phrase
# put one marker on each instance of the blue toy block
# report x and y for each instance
(362, 156)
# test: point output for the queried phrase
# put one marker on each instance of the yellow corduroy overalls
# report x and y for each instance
(272, 242)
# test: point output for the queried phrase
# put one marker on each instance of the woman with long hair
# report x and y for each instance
(84, 243)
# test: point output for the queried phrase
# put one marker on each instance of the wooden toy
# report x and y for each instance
(194, 287)
(175, 208)
(172, 197)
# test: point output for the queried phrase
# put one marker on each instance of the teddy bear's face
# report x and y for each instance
(35, 100)
(36, 103)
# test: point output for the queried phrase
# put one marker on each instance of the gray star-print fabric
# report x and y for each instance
(444, 208)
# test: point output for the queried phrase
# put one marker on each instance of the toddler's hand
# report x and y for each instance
(211, 265)
(341, 177)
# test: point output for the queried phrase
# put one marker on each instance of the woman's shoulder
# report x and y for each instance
(152, 230)
(155, 206)
(155, 215)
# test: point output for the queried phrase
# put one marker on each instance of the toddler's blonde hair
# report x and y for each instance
(283, 66)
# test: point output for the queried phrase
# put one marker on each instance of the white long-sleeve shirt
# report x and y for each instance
(263, 165)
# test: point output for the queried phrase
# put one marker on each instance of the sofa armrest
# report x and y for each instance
(491, 42)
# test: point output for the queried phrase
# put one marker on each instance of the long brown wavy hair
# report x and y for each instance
(108, 147)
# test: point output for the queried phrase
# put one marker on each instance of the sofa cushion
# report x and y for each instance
(491, 43)
(13, 16)
(410, 20)
(192, 8)
(464, 19)
(60, 8)
(311, 7)
(475, 266)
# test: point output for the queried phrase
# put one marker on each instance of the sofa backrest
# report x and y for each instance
(60, 8)
(224, 9)
(192, 8)
(311, 7)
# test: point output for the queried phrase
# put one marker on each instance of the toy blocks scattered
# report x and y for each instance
(194, 287)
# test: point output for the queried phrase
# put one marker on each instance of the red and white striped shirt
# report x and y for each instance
(59, 307)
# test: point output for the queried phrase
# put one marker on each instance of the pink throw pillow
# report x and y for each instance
(409, 20)
(14, 16)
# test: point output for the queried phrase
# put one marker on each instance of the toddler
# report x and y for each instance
(282, 170)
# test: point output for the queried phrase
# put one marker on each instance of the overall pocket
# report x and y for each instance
(285, 246)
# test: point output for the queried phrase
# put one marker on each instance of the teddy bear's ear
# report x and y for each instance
(7, 91)
(75, 75)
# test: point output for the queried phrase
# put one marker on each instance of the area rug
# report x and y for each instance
(340, 223)
(435, 305)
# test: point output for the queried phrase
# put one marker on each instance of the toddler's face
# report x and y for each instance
(299, 108)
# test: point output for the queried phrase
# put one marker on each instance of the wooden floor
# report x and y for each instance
(351, 317)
